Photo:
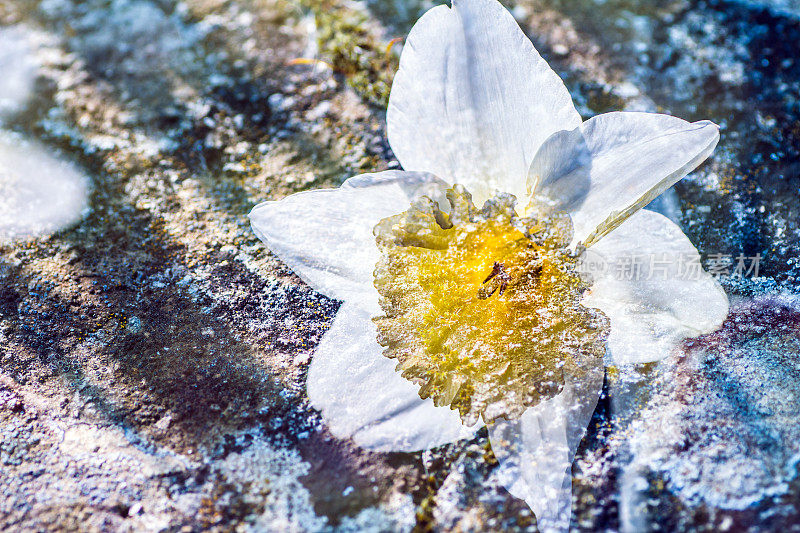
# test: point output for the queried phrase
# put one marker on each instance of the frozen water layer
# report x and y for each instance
(19, 69)
(39, 192)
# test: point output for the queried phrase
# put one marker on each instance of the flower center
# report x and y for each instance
(481, 307)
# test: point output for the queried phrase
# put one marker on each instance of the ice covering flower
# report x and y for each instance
(475, 109)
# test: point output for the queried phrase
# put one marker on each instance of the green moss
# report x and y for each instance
(347, 42)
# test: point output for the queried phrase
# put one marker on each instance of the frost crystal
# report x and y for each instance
(482, 306)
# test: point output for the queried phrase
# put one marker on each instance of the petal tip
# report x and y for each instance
(709, 124)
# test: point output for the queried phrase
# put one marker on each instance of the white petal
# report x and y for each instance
(362, 397)
(536, 451)
(615, 164)
(473, 100)
(649, 289)
(325, 236)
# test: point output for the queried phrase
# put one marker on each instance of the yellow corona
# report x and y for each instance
(482, 307)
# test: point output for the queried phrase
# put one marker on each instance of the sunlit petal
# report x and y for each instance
(325, 236)
(362, 396)
(615, 164)
(473, 100)
(649, 282)
(536, 451)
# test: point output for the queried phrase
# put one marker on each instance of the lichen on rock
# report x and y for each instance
(482, 307)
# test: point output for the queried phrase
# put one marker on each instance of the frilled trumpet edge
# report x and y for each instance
(482, 307)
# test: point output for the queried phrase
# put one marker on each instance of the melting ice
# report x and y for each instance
(39, 193)
(18, 67)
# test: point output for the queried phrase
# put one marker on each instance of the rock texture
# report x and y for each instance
(152, 355)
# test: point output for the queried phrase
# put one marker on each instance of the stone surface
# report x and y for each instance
(153, 353)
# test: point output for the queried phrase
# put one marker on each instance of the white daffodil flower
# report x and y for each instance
(474, 104)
